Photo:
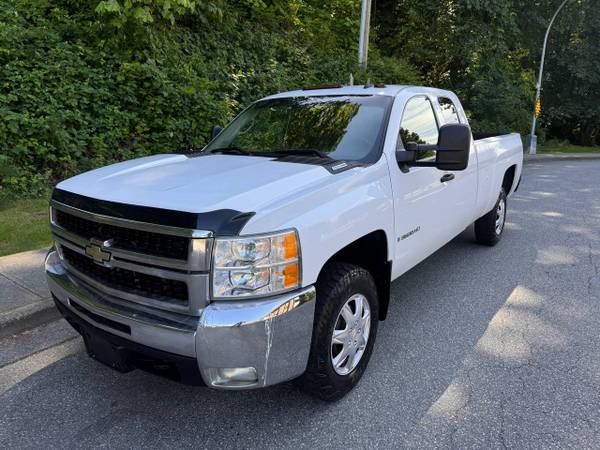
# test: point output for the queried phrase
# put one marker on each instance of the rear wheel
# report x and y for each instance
(346, 319)
(489, 228)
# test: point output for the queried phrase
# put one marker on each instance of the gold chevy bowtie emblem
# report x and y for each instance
(97, 251)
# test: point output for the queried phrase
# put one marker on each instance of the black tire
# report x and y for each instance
(486, 231)
(338, 283)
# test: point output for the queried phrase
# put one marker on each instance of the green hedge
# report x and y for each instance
(79, 89)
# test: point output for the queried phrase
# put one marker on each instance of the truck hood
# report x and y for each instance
(197, 184)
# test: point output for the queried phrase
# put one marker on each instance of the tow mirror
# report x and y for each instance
(216, 129)
(452, 150)
(454, 144)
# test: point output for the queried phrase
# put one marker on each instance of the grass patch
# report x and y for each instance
(23, 225)
(568, 149)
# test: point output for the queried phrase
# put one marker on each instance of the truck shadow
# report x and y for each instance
(450, 330)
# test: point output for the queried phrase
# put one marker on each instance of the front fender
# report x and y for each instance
(339, 210)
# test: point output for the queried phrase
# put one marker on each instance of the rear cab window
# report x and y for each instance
(449, 111)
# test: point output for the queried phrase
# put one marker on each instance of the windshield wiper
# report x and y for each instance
(284, 151)
(230, 151)
(300, 151)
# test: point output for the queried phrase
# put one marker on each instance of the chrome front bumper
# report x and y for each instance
(237, 344)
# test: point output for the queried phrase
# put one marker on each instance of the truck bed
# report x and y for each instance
(496, 153)
(487, 134)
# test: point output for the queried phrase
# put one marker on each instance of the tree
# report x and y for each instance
(571, 89)
(489, 52)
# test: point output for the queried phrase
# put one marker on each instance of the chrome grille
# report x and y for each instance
(154, 265)
(146, 242)
(137, 283)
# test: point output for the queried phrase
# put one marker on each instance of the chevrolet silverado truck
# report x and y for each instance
(267, 256)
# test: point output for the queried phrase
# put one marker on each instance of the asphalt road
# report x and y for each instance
(483, 348)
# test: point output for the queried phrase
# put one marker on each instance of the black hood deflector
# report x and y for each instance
(222, 222)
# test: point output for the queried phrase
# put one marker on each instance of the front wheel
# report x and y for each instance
(346, 319)
(489, 228)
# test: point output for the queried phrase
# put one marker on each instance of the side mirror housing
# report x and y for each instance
(215, 131)
(452, 150)
(454, 145)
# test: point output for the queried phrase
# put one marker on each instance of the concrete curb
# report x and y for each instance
(548, 157)
(27, 317)
(26, 301)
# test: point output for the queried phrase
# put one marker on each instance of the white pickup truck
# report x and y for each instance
(268, 255)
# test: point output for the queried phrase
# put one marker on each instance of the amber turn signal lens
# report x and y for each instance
(290, 275)
(290, 246)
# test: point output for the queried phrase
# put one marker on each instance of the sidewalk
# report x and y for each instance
(25, 301)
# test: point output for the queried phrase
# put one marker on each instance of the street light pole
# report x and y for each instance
(533, 142)
(363, 42)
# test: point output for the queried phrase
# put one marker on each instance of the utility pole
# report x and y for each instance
(533, 141)
(363, 42)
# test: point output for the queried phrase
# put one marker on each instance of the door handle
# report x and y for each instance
(447, 177)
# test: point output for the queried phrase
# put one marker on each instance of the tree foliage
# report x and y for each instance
(489, 51)
(571, 96)
(86, 83)
(121, 12)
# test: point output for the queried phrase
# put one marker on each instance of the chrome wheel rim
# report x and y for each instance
(350, 334)
(500, 216)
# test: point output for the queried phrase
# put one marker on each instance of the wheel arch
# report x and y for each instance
(371, 253)
(509, 179)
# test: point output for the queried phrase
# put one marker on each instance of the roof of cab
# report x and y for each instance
(387, 90)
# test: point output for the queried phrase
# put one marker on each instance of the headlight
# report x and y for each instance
(256, 265)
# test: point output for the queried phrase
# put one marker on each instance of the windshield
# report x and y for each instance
(336, 127)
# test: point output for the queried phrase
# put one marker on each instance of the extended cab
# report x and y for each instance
(268, 255)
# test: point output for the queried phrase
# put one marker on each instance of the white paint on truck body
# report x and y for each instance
(329, 210)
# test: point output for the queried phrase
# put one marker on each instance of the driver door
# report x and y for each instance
(422, 200)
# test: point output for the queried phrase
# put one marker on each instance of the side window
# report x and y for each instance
(419, 124)
(448, 110)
